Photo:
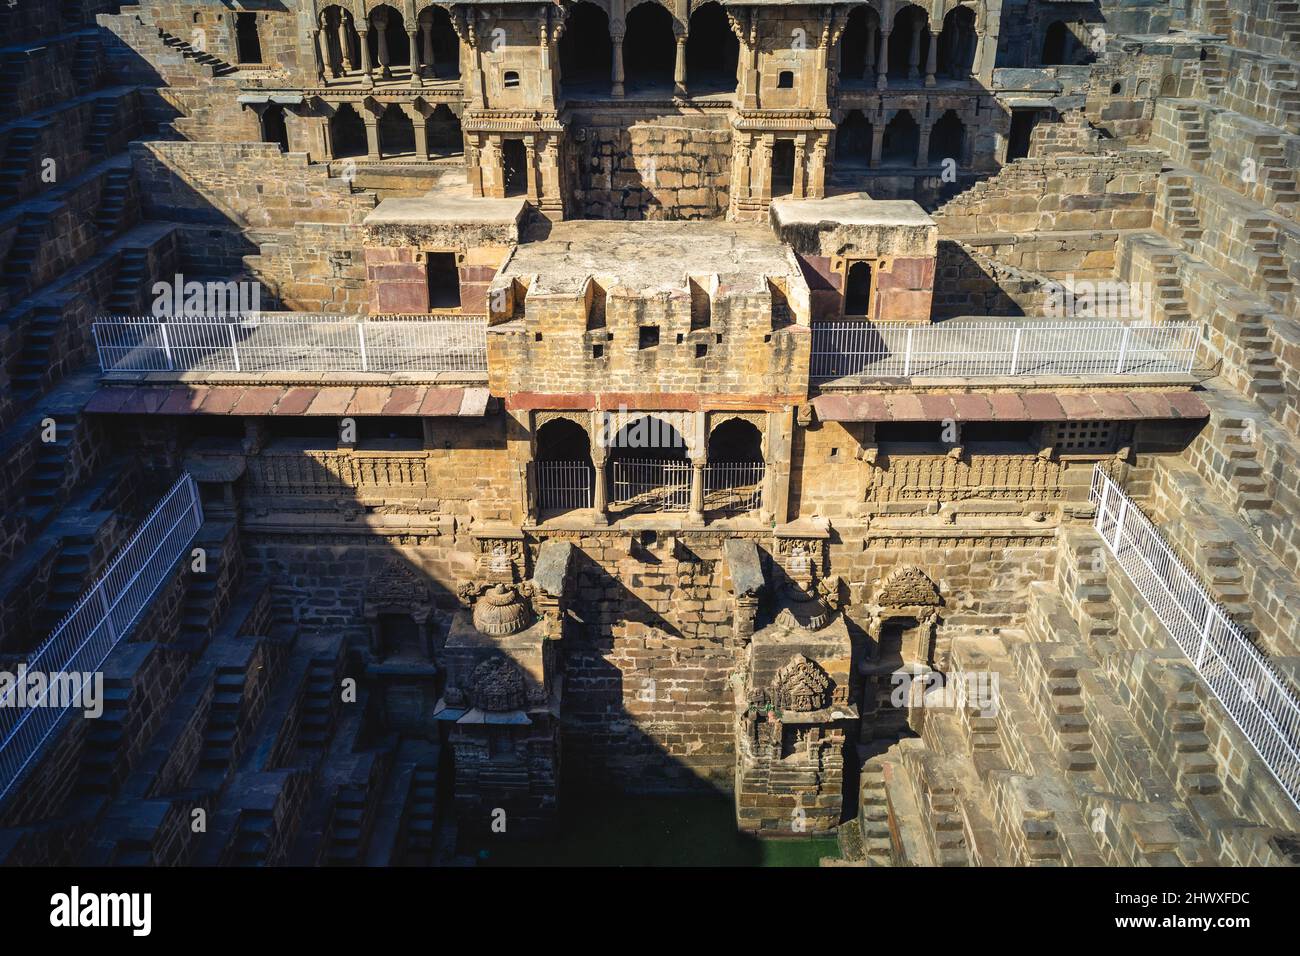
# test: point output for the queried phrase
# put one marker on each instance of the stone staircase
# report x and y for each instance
(1272, 278)
(216, 65)
(103, 123)
(17, 161)
(112, 201)
(1181, 210)
(128, 284)
(21, 260)
(35, 359)
(219, 737)
(45, 484)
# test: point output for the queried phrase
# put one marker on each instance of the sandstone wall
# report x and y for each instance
(637, 166)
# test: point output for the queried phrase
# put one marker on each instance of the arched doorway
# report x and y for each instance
(343, 42)
(956, 53)
(514, 165)
(388, 42)
(445, 137)
(853, 141)
(347, 133)
(438, 45)
(565, 476)
(712, 52)
(274, 129)
(901, 140)
(859, 45)
(586, 51)
(248, 45)
(648, 467)
(396, 132)
(649, 58)
(948, 139)
(1062, 46)
(733, 478)
(909, 43)
(857, 289)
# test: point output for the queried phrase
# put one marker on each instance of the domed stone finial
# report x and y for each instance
(502, 611)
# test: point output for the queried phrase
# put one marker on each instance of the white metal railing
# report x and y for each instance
(733, 486)
(1252, 692)
(291, 344)
(969, 349)
(101, 618)
(564, 485)
(651, 484)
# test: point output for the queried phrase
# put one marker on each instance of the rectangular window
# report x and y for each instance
(444, 281)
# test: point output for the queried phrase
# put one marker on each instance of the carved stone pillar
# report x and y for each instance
(923, 146)
(345, 44)
(426, 34)
(817, 170)
(679, 67)
(932, 59)
(696, 513)
(372, 134)
(877, 138)
(380, 21)
(914, 51)
(600, 491)
(882, 67)
(616, 67)
(414, 48)
(764, 169)
(873, 33)
(741, 174)
(800, 158)
(367, 68)
(530, 154)
(420, 123)
(322, 43)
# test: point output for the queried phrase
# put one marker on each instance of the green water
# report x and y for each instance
(650, 831)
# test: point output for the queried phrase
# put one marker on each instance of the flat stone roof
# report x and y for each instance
(651, 256)
(443, 209)
(854, 210)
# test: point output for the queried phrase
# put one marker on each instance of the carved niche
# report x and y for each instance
(396, 586)
(801, 686)
(496, 685)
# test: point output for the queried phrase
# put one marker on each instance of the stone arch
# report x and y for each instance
(901, 141)
(956, 53)
(649, 60)
(445, 136)
(586, 49)
(274, 128)
(396, 132)
(1062, 45)
(347, 132)
(562, 438)
(438, 44)
(860, 44)
(908, 593)
(648, 435)
(735, 438)
(712, 51)
(948, 138)
(853, 139)
(909, 43)
(387, 38)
